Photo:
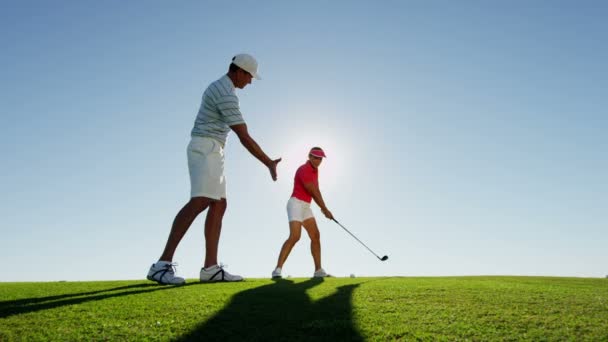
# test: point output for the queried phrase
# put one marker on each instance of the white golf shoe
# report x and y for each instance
(277, 273)
(163, 272)
(217, 273)
(320, 273)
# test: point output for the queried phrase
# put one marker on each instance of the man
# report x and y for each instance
(305, 189)
(219, 113)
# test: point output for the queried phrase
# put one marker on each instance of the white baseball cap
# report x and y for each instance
(247, 63)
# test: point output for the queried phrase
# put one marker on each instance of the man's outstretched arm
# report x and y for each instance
(255, 149)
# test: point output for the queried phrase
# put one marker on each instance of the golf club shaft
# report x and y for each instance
(351, 234)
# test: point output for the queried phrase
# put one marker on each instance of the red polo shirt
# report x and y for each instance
(305, 174)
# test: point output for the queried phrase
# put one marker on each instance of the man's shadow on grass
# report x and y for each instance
(281, 311)
(25, 305)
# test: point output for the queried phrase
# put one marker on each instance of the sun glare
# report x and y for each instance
(297, 142)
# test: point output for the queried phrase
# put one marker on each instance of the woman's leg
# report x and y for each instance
(295, 230)
(315, 240)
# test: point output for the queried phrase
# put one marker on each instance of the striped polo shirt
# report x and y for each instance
(219, 110)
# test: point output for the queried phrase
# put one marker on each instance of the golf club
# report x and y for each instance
(384, 258)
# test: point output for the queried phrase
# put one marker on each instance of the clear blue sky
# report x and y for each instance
(464, 138)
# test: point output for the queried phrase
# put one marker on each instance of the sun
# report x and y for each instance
(296, 143)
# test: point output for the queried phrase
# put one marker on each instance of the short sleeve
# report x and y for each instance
(306, 176)
(228, 106)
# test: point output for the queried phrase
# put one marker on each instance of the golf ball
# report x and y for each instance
(352, 275)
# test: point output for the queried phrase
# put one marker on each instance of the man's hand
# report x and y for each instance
(272, 167)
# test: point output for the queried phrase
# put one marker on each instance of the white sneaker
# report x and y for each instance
(320, 273)
(163, 272)
(217, 273)
(277, 273)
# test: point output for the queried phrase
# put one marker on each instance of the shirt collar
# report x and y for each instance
(228, 82)
(311, 167)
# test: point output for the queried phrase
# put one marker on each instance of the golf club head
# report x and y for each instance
(384, 258)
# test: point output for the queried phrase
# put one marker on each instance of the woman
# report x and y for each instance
(305, 189)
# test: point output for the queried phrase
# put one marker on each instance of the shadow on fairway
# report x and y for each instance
(25, 305)
(281, 311)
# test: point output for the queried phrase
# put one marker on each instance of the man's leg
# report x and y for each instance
(315, 240)
(211, 271)
(213, 229)
(181, 224)
(295, 230)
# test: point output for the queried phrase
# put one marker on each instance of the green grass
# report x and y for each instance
(416, 308)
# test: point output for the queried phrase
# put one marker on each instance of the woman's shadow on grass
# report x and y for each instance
(282, 311)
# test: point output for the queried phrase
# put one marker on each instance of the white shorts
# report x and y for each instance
(206, 166)
(298, 210)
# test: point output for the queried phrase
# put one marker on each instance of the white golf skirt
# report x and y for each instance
(206, 166)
